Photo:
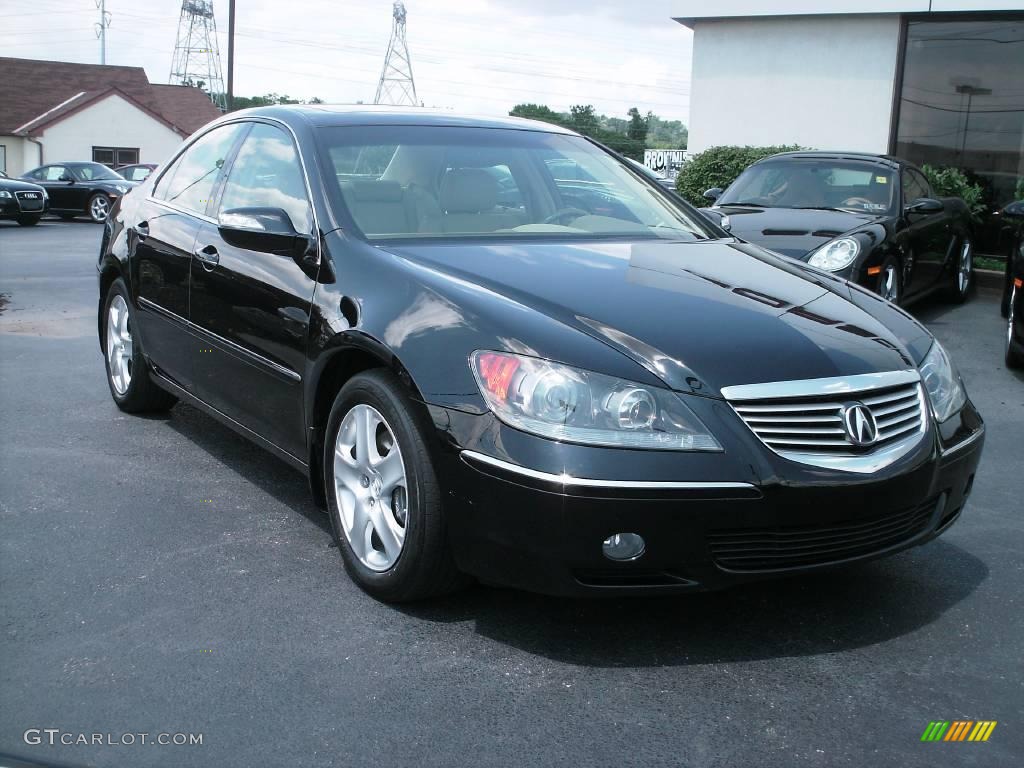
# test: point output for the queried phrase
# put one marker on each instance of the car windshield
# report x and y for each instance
(811, 183)
(95, 172)
(429, 182)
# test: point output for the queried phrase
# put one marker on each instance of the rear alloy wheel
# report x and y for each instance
(963, 278)
(382, 492)
(127, 372)
(890, 281)
(99, 207)
(1014, 356)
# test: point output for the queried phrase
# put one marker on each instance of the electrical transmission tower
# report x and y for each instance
(396, 85)
(196, 54)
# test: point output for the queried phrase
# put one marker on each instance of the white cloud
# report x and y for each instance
(477, 56)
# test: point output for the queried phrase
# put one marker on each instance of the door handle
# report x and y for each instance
(208, 256)
(142, 230)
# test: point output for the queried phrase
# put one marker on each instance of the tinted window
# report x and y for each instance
(814, 183)
(267, 173)
(54, 173)
(189, 182)
(914, 186)
(94, 172)
(441, 182)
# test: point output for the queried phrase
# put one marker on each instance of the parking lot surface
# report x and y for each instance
(162, 575)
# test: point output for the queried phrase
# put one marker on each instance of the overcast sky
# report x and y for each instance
(480, 56)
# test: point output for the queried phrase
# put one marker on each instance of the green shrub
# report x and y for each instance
(719, 167)
(952, 182)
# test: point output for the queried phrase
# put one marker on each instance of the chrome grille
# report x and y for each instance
(803, 420)
(30, 203)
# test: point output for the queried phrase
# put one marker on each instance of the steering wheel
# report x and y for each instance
(561, 213)
(856, 201)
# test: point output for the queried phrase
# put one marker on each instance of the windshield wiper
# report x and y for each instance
(819, 208)
(741, 205)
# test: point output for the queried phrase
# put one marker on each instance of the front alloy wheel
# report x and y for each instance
(383, 494)
(964, 276)
(99, 207)
(371, 488)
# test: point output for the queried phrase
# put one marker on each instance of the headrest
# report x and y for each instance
(374, 191)
(468, 190)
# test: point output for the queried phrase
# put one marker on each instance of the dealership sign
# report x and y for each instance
(666, 161)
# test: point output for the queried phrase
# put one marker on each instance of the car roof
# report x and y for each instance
(886, 160)
(320, 115)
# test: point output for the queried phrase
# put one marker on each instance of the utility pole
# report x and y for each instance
(196, 53)
(101, 29)
(396, 85)
(231, 55)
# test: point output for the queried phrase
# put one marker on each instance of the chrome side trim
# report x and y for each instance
(977, 435)
(583, 482)
(161, 310)
(836, 385)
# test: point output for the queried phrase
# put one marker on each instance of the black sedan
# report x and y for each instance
(1013, 293)
(25, 203)
(872, 219)
(80, 189)
(540, 395)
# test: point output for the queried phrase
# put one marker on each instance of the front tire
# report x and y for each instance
(28, 221)
(890, 281)
(963, 275)
(382, 493)
(98, 207)
(1014, 356)
(127, 372)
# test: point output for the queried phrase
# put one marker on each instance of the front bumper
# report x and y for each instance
(542, 531)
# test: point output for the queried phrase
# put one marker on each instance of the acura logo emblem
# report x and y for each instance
(859, 423)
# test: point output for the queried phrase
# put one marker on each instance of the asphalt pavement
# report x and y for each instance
(162, 575)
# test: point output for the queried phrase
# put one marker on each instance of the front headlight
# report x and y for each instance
(945, 389)
(4, 194)
(836, 255)
(576, 406)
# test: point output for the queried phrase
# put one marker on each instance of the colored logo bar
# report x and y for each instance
(958, 730)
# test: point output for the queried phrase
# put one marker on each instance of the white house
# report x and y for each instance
(934, 81)
(53, 111)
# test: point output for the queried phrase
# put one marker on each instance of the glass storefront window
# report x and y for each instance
(962, 105)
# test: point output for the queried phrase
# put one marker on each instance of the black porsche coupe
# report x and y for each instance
(873, 219)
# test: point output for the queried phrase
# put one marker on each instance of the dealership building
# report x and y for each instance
(934, 81)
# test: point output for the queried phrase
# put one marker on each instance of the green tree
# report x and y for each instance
(637, 130)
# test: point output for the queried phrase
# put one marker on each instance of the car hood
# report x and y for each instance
(790, 231)
(700, 316)
(12, 185)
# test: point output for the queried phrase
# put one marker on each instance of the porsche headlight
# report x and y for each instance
(941, 379)
(576, 406)
(836, 255)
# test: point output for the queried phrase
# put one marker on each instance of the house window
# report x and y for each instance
(115, 157)
(3, 158)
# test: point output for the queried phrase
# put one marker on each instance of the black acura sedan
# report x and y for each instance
(80, 189)
(532, 394)
(23, 202)
(872, 219)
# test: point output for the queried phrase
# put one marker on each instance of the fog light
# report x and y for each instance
(623, 546)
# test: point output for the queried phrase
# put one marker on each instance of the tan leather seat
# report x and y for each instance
(468, 202)
(379, 207)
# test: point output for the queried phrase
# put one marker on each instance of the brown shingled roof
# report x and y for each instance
(30, 88)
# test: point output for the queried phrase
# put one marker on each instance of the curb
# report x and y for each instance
(989, 278)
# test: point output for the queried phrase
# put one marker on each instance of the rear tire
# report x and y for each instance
(127, 372)
(963, 275)
(391, 533)
(28, 221)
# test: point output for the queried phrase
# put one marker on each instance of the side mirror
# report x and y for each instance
(925, 205)
(713, 194)
(1015, 210)
(268, 230)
